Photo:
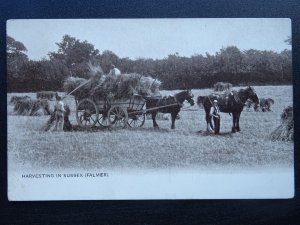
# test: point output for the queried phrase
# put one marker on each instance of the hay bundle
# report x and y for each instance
(29, 107)
(123, 86)
(222, 86)
(285, 132)
(40, 107)
(15, 99)
(45, 95)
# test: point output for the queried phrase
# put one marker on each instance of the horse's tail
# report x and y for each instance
(200, 101)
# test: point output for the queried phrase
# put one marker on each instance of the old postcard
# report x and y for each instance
(149, 109)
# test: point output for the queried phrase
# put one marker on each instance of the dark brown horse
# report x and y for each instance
(168, 104)
(229, 102)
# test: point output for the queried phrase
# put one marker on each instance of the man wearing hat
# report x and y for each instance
(215, 113)
(114, 70)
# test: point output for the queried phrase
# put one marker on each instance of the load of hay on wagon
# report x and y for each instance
(285, 132)
(122, 86)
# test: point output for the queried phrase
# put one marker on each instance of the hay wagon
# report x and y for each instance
(111, 112)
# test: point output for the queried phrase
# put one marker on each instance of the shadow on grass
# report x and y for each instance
(78, 128)
(148, 129)
(207, 133)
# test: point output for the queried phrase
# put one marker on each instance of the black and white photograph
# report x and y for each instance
(113, 109)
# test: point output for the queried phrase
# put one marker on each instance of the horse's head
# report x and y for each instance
(252, 95)
(189, 97)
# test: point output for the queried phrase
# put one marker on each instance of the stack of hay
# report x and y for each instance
(122, 86)
(221, 86)
(15, 99)
(26, 106)
(285, 132)
(45, 95)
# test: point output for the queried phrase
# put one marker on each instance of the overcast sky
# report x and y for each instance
(153, 38)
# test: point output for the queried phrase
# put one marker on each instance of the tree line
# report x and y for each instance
(230, 64)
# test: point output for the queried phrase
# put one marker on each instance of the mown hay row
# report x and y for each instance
(123, 86)
(222, 86)
(285, 132)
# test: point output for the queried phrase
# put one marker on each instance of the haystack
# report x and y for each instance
(222, 86)
(45, 95)
(30, 107)
(285, 132)
(15, 99)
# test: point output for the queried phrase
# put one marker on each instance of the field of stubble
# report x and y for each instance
(188, 146)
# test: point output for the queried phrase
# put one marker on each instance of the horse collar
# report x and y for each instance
(237, 98)
(176, 101)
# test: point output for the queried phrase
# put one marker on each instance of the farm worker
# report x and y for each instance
(215, 114)
(59, 114)
(114, 71)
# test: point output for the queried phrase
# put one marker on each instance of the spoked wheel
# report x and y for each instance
(103, 119)
(136, 120)
(87, 113)
(117, 117)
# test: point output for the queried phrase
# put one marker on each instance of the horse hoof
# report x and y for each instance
(233, 130)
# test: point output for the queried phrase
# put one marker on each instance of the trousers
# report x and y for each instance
(217, 121)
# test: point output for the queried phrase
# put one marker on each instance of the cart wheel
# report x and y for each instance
(87, 113)
(103, 120)
(137, 120)
(117, 117)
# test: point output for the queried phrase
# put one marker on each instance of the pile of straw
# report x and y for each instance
(15, 99)
(221, 86)
(123, 86)
(30, 107)
(285, 132)
(45, 95)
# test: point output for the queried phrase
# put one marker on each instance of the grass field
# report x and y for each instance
(187, 146)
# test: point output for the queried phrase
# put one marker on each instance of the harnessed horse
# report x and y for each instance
(168, 104)
(229, 102)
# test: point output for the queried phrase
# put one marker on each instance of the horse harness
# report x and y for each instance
(168, 100)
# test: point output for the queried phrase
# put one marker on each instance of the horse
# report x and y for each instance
(168, 104)
(229, 102)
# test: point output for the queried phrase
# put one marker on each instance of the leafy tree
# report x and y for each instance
(16, 56)
(75, 54)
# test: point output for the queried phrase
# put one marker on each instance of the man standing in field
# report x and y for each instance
(215, 114)
(59, 114)
(114, 71)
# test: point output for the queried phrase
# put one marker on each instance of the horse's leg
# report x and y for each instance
(238, 121)
(173, 118)
(233, 130)
(155, 125)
